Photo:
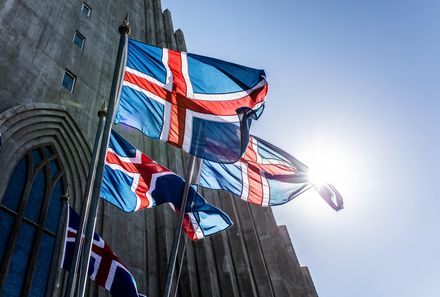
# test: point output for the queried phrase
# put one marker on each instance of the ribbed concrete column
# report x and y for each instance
(189, 282)
(169, 31)
(238, 246)
(206, 263)
(160, 28)
(225, 266)
(149, 22)
(133, 238)
(291, 267)
(310, 287)
(256, 258)
(269, 239)
(181, 46)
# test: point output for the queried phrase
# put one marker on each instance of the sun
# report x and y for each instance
(323, 170)
(330, 164)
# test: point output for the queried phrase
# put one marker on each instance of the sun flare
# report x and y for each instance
(329, 164)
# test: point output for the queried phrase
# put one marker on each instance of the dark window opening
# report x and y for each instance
(86, 9)
(79, 39)
(69, 80)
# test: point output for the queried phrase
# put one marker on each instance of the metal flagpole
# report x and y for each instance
(115, 92)
(185, 241)
(71, 281)
(176, 241)
(55, 277)
(179, 272)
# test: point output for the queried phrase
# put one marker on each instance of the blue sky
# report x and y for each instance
(354, 86)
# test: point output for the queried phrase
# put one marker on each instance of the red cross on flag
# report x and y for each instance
(265, 176)
(105, 268)
(203, 105)
(132, 181)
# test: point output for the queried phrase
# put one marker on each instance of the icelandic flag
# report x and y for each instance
(132, 181)
(202, 105)
(105, 268)
(265, 176)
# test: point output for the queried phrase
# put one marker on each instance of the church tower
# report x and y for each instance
(56, 66)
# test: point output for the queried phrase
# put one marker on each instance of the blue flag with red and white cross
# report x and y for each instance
(105, 268)
(266, 176)
(202, 105)
(132, 181)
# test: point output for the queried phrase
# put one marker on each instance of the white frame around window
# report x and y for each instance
(73, 76)
(81, 37)
(86, 9)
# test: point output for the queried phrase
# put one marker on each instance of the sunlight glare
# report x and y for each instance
(329, 163)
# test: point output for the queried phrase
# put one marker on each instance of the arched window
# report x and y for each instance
(29, 215)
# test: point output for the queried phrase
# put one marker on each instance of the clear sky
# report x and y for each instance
(354, 87)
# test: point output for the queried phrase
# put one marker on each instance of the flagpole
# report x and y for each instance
(55, 277)
(71, 281)
(186, 238)
(176, 240)
(182, 257)
(115, 91)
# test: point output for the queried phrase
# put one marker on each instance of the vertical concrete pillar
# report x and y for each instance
(206, 268)
(180, 37)
(291, 267)
(257, 260)
(206, 263)
(269, 239)
(149, 22)
(311, 290)
(240, 258)
(225, 266)
(160, 28)
(169, 31)
(189, 281)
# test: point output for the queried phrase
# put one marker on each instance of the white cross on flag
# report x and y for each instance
(105, 268)
(265, 175)
(132, 181)
(203, 105)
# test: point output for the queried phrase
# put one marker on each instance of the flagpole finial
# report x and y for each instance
(65, 197)
(103, 111)
(125, 28)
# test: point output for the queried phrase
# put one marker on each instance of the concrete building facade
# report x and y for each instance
(56, 65)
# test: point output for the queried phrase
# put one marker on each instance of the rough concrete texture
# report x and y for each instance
(36, 46)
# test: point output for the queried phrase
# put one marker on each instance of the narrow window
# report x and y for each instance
(69, 80)
(86, 9)
(29, 218)
(79, 39)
